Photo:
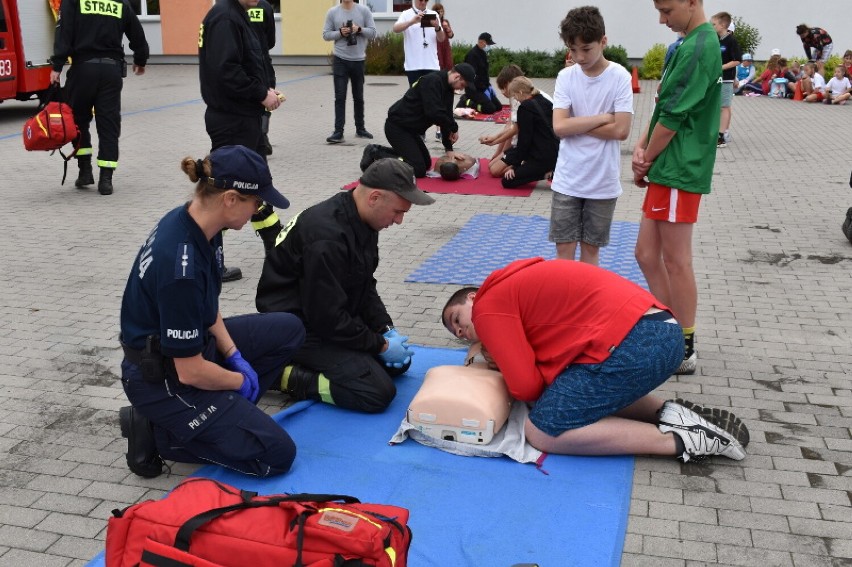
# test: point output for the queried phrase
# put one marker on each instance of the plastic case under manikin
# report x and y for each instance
(468, 404)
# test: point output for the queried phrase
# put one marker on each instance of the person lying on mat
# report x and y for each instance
(193, 378)
(586, 347)
(321, 269)
(428, 101)
(456, 166)
(534, 155)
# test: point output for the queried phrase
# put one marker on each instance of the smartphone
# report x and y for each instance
(428, 20)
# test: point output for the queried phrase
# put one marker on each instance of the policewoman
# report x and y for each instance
(90, 32)
(192, 377)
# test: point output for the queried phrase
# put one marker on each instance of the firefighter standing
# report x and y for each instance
(90, 32)
(263, 21)
(235, 87)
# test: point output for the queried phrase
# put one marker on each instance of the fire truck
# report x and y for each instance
(26, 44)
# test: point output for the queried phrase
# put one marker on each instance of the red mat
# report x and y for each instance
(482, 185)
(502, 116)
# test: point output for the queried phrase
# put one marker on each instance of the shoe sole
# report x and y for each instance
(156, 469)
(334, 141)
(723, 419)
(666, 426)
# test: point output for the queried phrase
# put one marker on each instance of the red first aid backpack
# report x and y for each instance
(206, 523)
(52, 127)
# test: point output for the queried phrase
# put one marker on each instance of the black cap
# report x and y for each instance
(467, 71)
(393, 174)
(242, 169)
(487, 37)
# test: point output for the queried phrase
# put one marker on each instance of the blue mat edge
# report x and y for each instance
(618, 549)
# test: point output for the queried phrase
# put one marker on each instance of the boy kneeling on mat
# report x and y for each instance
(586, 346)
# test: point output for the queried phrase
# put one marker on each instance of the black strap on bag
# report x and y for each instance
(54, 93)
(184, 534)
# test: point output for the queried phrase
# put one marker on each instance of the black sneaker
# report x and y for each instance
(299, 380)
(722, 419)
(335, 138)
(369, 156)
(362, 133)
(142, 456)
(231, 274)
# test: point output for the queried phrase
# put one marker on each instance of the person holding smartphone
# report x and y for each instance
(421, 29)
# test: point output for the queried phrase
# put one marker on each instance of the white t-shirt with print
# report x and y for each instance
(588, 167)
(418, 57)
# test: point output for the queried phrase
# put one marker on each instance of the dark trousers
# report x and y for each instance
(228, 129)
(409, 145)
(97, 84)
(529, 171)
(345, 71)
(412, 76)
(357, 380)
(222, 427)
(484, 102)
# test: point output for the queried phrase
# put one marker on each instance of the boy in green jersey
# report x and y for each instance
(674, 160)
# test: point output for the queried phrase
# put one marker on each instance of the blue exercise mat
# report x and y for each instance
(465, 511)
(489, 242)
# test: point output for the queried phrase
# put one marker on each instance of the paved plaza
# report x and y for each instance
(775, 309)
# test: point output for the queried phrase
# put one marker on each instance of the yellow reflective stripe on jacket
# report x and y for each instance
(201, 35)
(101, 8)
(267, 222)
(284, 231)
(255, 14)
(324, 388)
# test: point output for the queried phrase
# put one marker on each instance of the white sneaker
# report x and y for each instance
(700, 438)
(689, 364)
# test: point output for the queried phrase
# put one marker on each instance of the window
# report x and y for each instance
(3, 27)
(146, 8)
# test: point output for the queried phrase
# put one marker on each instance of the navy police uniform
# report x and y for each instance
(234, 76)
(322, 271)
(170, 301)
(90, 32)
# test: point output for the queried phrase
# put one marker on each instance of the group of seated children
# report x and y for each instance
(780, 81)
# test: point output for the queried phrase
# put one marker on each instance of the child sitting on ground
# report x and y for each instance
(813, 85)
(745, 73)
(837, 90)
(534, 156)
(762, 85)
(508, 136)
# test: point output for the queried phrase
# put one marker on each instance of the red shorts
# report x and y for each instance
(672, 205)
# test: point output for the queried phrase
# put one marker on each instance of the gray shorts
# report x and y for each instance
(573, 219)
(727, 93)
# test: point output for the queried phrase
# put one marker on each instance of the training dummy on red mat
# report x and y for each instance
(586, 347)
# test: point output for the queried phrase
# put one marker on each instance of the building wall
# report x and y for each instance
(516, 25)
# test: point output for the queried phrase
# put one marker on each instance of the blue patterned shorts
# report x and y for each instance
(585, 393)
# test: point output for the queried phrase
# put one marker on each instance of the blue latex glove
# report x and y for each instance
(398, 354)
(250, 388)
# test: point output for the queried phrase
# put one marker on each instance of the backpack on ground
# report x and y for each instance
(52, 127)
(206, 523)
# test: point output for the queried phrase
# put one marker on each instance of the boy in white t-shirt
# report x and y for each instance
(592, 112)
(813, 85)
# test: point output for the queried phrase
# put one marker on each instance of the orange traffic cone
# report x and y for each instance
(635, 80)
(798, 94)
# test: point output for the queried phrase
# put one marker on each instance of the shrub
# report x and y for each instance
(830, 65)
(617, 54)
(747, 36)
(385, 55)
(652, 63)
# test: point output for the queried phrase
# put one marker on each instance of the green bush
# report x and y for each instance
(747, 36)
(652, 63)
(617, 54)
(385, 55)
(830, 65)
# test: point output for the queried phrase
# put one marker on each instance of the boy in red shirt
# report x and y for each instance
(586, 347)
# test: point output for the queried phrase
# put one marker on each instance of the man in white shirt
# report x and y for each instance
(421, 29)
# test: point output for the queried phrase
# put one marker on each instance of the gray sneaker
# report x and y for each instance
(689, 364)
(700, 438)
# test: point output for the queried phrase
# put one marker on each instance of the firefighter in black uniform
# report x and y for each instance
(322, 271)
(235, 86)
(262, 19)
(90, 33)
(428, 101)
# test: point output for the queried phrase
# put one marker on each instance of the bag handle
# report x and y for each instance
(189, 527)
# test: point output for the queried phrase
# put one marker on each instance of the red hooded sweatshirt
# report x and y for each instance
(536, 317)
